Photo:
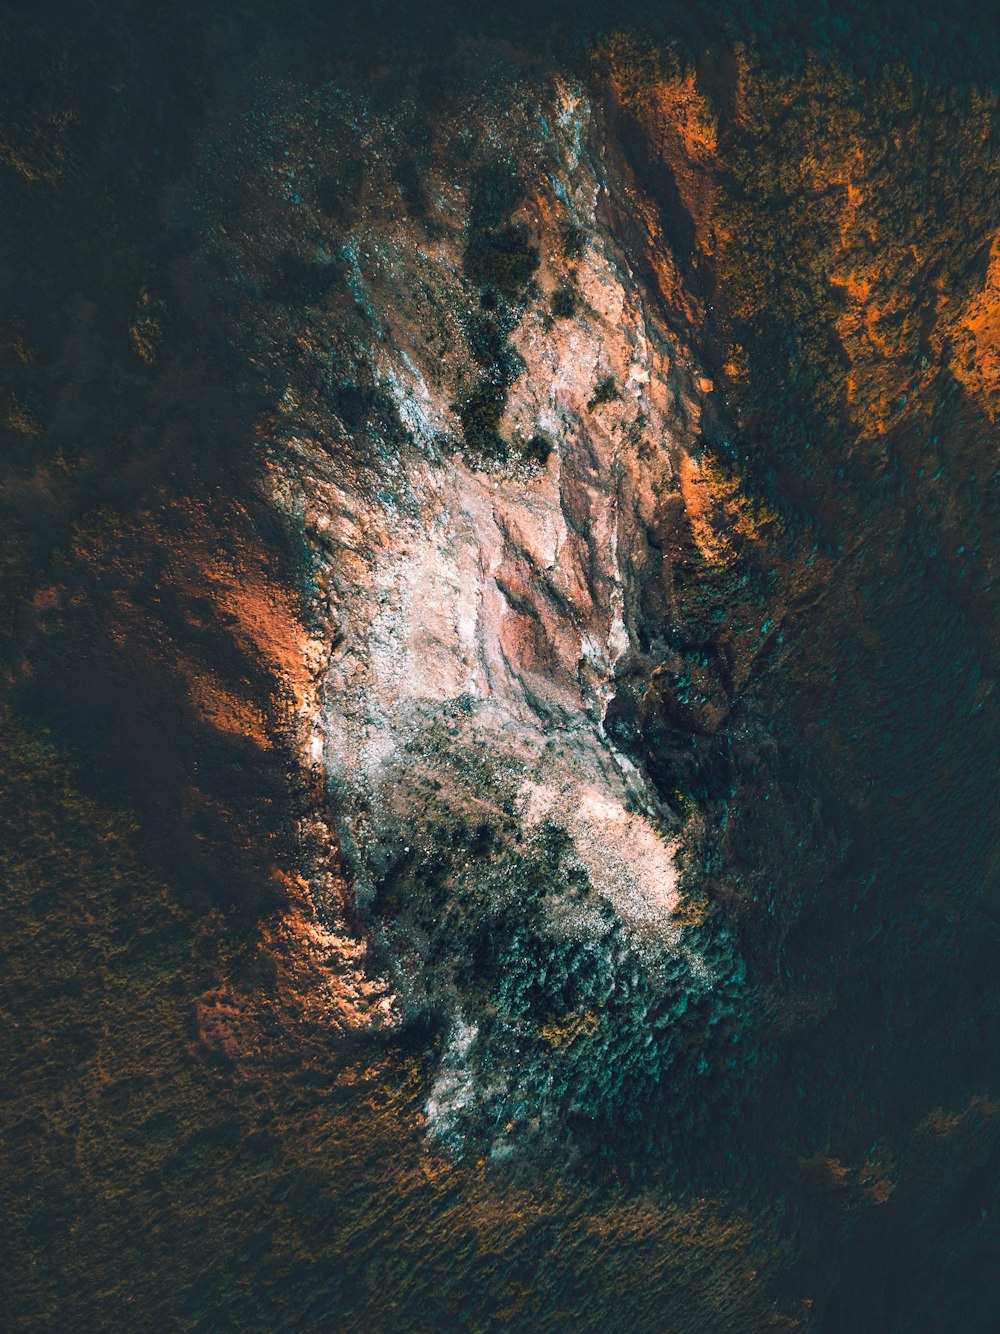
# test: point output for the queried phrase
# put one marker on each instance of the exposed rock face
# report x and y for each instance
(491, 581)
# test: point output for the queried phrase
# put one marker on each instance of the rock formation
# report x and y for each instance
(500, 644)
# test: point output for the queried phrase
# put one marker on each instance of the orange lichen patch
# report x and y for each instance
(260, 609)
(735, 368)
(874, 314)
(224, 709)
(46, 598)
(720, 515)
(678, 126)
(975, 340)
(870, 400)
(878, 1181)
(863, 324)
(858, 289)
(39, 153)
(13, 343)
(873, 332)
(701, 505)
(872, 1183)
(867, 327)
(565, 1031)
(322, 965)
(20, 420)
(971, 1121)
(843, 168)
(681, 106)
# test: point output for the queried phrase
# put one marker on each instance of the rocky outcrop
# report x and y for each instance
(491, 580)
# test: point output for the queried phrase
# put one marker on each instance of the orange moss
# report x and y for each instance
(679, 104)
(975, 339)
(321, 966)
(858, 289)
(678, 126)
(224, 709)
(720, 515)
(263, 613)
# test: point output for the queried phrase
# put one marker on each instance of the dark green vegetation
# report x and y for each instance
(538, 449)
(563, 303)
(501, 260)
(183, 1145)
(605, 391)
(591, 1039)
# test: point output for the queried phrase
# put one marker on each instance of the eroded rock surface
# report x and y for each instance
(509, 413)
